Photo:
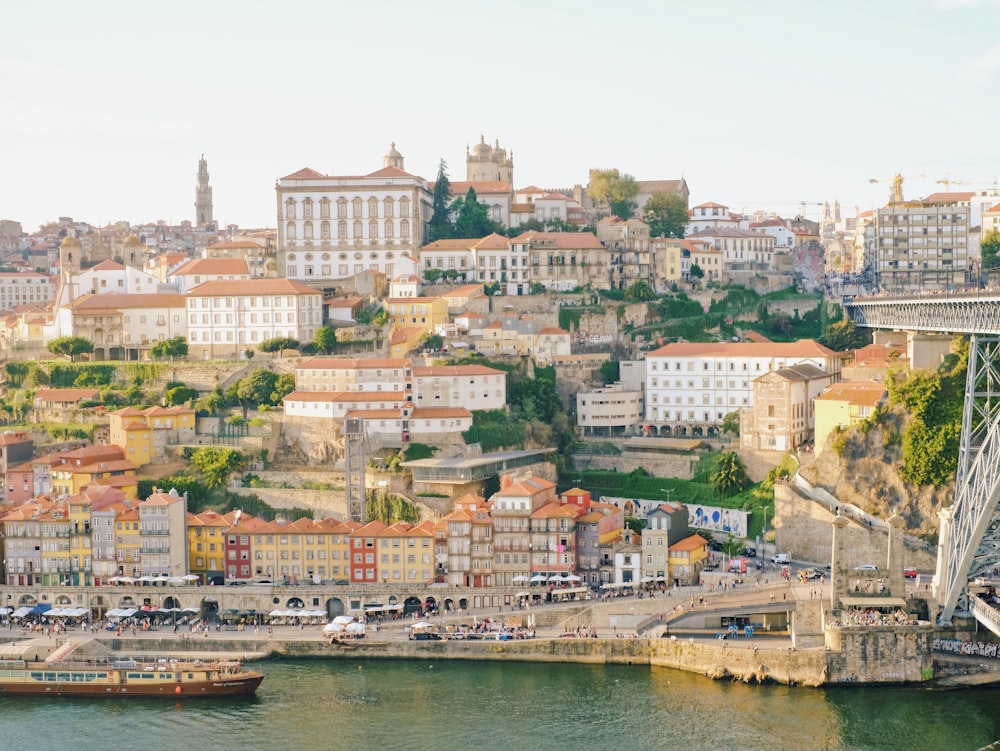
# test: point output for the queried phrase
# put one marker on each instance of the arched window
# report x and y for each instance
(404, 229)
(358, 230)
(290, 231)
(324, 208)
(404, 206)
(388, 205)
(342, 229)
(390, 229)
(290, 208)
(373, 229)
(356, 207)
(307, 230)
(342, 208)
(324, 230)
(307, 209)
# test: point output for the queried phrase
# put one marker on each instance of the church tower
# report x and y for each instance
(203, 198)
(488, 164)
(393, 158)
(70, 252)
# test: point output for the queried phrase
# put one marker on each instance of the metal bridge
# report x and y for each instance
(969, 540)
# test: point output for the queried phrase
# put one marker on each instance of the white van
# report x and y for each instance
(782, 558)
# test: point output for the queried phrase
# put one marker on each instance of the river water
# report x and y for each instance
(453, 706)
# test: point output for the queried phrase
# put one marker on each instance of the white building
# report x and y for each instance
(107, 277)
(351, 374)
(189, 275)
(742, 250)
(333, 227)
(610, 410)
(710, 216)
(225, 318)
(471, 387)
(690, 388)
(120, 326)
(25, 288)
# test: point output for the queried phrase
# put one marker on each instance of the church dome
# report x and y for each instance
(481, 149)
(132, 240)
(69, 241)
(393, 154)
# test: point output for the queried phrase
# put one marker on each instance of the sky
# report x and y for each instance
(106, 106)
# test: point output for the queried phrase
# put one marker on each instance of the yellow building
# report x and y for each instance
(423, 312)
(55, 544)
(207, 543)
(72, 470)
(405, 339)
(145, 434)
(686, 560)
(844, 404)
(128, 540)
(405, 553)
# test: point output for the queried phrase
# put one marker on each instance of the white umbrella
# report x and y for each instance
(190, 577)
(519, 578)
(572, 578)
(538, 578)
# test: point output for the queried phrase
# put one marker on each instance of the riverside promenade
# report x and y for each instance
(679, 630)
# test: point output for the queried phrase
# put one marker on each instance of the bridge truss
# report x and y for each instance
(969, 542)
(970, 529)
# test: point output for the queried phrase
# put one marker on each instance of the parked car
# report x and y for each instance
(750, 552)
(866, 567)
(426, 636)
(910, 573)
(782, 558)
(809, 573)
(715, 546)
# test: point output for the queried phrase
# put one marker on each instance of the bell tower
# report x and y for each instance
(203, 198)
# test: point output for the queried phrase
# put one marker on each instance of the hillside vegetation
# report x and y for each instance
(904, 457)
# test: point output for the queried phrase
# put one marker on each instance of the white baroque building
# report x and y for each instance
(331, 227)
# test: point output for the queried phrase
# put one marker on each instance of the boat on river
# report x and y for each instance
(163, 678)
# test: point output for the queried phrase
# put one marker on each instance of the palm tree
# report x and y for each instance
(729, 477)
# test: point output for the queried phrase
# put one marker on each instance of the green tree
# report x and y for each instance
(254, 389)
(284, 384)
(639, 291)
(558, 224)
(212, 403)
(731, 423)
(381, 317)
(472, 219)
(729, 476)
(696, 272)
(277, 345)
(325, 339)
(610, 371)
(434, 342)
(615, 190)
(175, 347)
(440, 226)
(844, 335)
(70, 346)
(215, 464)
(666, 214)
(990, 247)
(433, 276)
(179, 395)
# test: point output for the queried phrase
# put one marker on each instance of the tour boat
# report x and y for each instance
(161, 678)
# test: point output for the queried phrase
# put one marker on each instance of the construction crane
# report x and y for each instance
(977, 184)
(896, 188)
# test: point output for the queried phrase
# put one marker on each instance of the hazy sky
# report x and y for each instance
(107, 106)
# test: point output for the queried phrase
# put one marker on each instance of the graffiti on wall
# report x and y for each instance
(972, 648)
(718, 519)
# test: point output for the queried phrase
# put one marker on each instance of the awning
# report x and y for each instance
(873, 602)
